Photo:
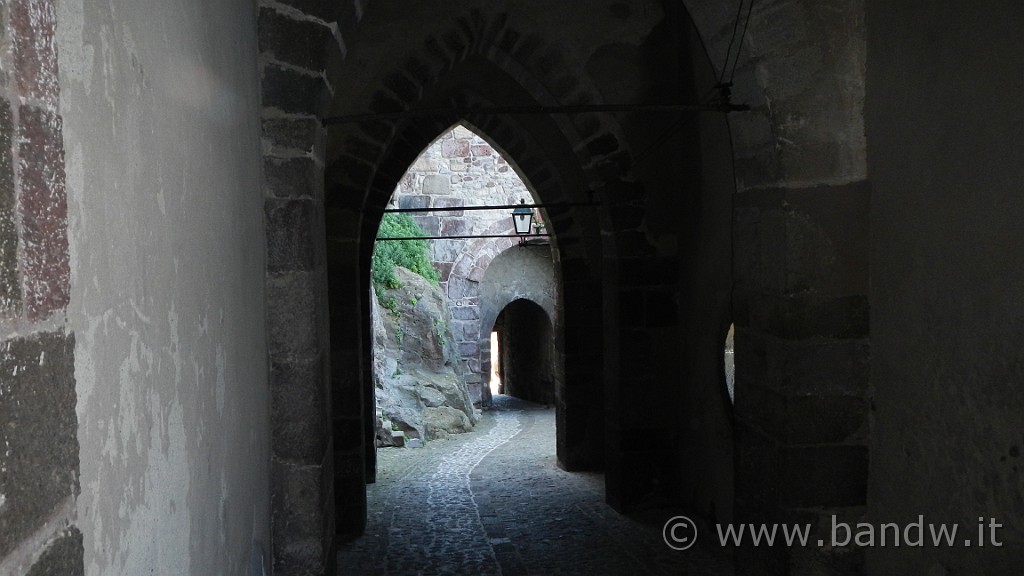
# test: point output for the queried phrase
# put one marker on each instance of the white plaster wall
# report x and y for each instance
(160, 105)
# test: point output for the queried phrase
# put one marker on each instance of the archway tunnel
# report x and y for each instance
(526, 350)
(681, 209)
(185, 325)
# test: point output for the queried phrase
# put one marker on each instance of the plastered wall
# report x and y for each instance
(160, 105)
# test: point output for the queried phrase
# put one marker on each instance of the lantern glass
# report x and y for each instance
(522, 218)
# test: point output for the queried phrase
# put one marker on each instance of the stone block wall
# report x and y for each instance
(39, 466)
(295, 48)
(800, 300)
(460, 169)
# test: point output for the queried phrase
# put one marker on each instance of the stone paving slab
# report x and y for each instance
(495, 502)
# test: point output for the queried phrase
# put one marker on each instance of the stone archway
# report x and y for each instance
(639, 286)
(521, 272)
(528, 362)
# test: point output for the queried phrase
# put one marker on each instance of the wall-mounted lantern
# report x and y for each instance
(522, 218)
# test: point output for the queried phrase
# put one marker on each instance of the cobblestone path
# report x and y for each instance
(495, 502)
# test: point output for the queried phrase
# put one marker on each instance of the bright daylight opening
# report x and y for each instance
(495, 382)
(433, 358)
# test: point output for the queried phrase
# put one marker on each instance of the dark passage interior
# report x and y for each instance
(527, 352)
(189, 197)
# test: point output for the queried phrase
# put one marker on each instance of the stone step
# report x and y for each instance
(398, 438)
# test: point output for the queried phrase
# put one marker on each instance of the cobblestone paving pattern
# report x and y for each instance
(495, 502)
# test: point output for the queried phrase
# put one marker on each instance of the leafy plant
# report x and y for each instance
(389, 303)
(411, 254)
(440, 327)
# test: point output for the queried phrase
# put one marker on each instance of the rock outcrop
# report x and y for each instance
(419, 376)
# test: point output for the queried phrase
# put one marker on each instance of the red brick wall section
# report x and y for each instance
(35, 54)
(44, 213)
(39, 464)
(42, 201)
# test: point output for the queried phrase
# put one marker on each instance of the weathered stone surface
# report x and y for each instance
(430, 224)
(34, 23)
(298, 410)
(455, 148)
(39, 464)
(294, 134)
(462, 287)
(436, 184)
(298, 515)
(424, 322)
(455, 227)
(407, 399)
(44, 212)
(441, 421)
(407, 202)
(419, 376)
(10, 283)
(466, 313)
(293, 178)
(300, 43)
(293, 314)
(294, 92)
(293, 228)
(63, 556)
(449, 202)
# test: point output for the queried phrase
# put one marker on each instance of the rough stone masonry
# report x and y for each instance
(38, 425)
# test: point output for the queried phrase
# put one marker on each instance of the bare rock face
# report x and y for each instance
(419, 377)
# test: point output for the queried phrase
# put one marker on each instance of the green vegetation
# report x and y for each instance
(389, 303)
(411, 254)
(440, 327)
